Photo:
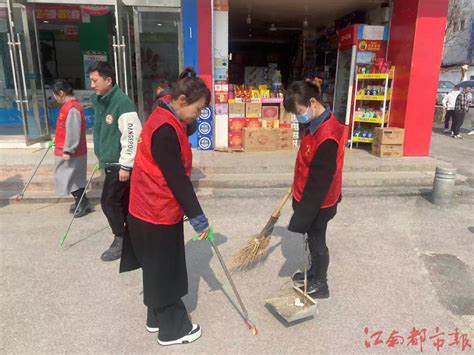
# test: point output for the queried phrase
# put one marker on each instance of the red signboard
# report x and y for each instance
(347, 37)
(58, 13)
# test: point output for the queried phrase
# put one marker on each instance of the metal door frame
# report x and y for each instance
(136, 26)
(19, 76)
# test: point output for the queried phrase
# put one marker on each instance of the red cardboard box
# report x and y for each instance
(235, 139)
(271, 112)
(236, 124)
(253, 122)
(222, 97)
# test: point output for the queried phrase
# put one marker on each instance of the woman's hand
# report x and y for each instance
(66, 156)
(204, 234)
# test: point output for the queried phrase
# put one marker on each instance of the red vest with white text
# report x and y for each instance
(151, 199)
(60, 136)
(330, 129)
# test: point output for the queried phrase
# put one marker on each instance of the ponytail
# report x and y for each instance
(191, 86)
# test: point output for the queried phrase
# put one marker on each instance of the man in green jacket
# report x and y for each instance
(116, 132)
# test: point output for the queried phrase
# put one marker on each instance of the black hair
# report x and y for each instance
(191, 86)
(104, 69)
(456, 86)
(64, 86)
(300, 92)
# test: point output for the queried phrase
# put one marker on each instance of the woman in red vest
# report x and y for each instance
(70, 148)
(318, 177)
(160, 194)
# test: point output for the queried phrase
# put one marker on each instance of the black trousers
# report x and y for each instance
(317, 232)
(172, 320)
(449, 116)
(114, 200)
(458, 121)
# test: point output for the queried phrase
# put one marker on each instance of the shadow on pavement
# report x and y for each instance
(12, 186)
(86, 237)
(292, 248)
(200, 254)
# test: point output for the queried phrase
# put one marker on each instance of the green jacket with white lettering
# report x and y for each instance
(116, 129)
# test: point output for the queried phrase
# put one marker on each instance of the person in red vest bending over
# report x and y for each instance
(318, 177)
(160, 194)
(70, 148)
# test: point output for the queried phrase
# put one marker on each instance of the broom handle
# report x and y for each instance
(285, 198)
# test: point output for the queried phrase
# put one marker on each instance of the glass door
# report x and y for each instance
(158, 51)
(23, 76)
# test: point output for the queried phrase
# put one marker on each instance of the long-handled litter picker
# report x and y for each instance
(96, 167)
(245, 314)
(254, 250)
(19, 197)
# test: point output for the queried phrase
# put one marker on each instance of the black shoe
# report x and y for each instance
(84, 208)
(193, 335)
(317, 289)
(115, 250)
(72, 208)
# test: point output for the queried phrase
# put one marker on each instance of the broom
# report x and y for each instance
(255, 248)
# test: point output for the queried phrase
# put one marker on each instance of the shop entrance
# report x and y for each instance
(61, 39)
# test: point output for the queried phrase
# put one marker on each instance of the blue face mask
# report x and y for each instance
(305, 117)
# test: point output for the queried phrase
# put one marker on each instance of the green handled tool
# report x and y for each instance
(245, 314)
(19, 197)
(96, 168)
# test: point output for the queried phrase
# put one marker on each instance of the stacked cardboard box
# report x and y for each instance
(388, 142)
(254, 126)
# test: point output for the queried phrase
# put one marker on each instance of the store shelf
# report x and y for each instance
(372, 76)
(273, 100)
(371, 98)
(368, 120)
(362, 140)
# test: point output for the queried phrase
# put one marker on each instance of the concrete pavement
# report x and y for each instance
(386, 273)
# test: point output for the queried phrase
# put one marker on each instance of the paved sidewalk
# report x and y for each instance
(388, 261)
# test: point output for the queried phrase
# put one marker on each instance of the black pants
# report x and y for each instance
(449, 116)
(172, 320)
(114, 200)
(317, 232)
(458, 121)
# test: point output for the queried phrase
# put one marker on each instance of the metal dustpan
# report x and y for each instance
(294, 304)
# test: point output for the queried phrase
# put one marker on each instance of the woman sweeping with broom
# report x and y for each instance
(161, 192)
(318, 177)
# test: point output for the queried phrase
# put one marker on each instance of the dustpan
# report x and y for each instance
(293, 304)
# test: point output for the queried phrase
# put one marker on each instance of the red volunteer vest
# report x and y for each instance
(60, 136)
(331, 129)
(151, 199)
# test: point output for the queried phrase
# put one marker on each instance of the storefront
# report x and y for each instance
(47, 40)
(247, 51)
(369, 54)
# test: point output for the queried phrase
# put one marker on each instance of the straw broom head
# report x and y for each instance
(252, 252)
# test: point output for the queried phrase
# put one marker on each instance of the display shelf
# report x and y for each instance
(372, 76)
(377, 120)
(273, 100)
(362, 140)
(371, 98)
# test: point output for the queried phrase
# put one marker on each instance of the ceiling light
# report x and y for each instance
(159, 24)
(305, 22)
(272, 27)
(249, 19)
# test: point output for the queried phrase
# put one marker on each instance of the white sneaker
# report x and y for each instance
(193, 335)
(446, 130)
(458, 136)
(471, 133)
(152, 329)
